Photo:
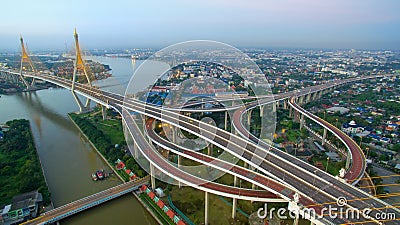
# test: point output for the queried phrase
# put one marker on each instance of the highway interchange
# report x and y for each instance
(317, 189)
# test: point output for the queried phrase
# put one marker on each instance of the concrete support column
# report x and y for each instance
(273, 108)
(285, 104)
(301, 121)
(348, 161)
(226, 120)
(324, 137)
(320, 94)
(174, 131)
(179, 166)
(249, 117)
(104, 112)
(143, 119)
(153, 180)
(206, 208)
(135, 150)
(290, 112)
(209, 149)
(308, 98)
(262, 109)
(234, 200)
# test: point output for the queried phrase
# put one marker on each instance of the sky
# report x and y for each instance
(105, 24)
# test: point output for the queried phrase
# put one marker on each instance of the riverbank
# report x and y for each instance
(114, 170)
(20, 167)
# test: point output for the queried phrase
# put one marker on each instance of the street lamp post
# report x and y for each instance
(327, 162)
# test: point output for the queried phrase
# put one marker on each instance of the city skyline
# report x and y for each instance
(285, 24)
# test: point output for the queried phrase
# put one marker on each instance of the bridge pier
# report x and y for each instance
(104, 112)
(209, 149)
(152, 178)
(314, 96)
(249, 117)
(226, 120)
(273, 109)
(301, 99)
(179, 166)
(135, 151)
(206, 208)
(234, 200)
(348, 161)
(308, 98)
(285, 104)
(262, 109)
(324, 137)
(301, 121)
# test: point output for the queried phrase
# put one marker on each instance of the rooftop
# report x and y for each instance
(25, 200)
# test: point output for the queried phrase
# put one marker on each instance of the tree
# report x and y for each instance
(396, 147)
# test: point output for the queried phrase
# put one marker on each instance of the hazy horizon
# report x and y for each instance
(287, 24)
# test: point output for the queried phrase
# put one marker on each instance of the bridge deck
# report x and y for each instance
(87, 202)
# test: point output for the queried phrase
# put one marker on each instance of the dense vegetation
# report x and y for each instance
(20, 169)
(107, 136)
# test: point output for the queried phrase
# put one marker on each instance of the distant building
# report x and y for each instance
(352, 128)
(342, 110)
(22, 208)
(333, 156)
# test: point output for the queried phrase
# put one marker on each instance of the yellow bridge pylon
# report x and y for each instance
(26, 59)
(79, 62)
(79, 65)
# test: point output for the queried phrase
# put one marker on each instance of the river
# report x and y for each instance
(67, 158)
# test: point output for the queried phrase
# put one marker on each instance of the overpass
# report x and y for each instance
(316, 189)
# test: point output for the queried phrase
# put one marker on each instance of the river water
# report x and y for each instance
(67, 158)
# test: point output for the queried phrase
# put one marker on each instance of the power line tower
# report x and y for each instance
(79, 66)
(26, 59)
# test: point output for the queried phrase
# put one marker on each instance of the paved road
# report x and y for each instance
(393, 179)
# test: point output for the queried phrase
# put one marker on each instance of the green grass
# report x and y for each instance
(191, 202)
(113, 129)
